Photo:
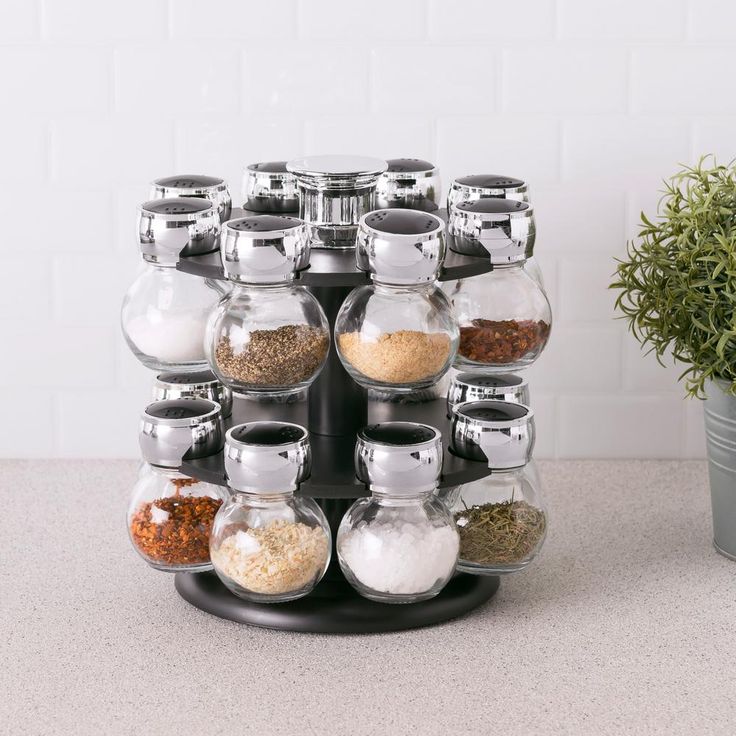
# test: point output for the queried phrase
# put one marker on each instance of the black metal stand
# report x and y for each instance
(334, 408)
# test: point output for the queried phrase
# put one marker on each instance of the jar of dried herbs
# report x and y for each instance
(170, 515)
(399, 333)
(501, 519)
(268, 544)
(267, 335)
(505, 317)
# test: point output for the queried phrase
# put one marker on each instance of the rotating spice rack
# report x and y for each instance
(335, 409)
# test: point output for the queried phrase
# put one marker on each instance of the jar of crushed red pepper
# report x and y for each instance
(170, 514)
(505, 317)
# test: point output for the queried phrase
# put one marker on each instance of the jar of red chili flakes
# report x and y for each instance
(505, 317)
(170, 515)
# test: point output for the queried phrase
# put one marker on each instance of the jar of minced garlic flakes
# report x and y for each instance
(269, 544)
(170, 515)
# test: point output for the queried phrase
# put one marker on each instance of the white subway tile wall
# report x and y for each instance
(593, 103)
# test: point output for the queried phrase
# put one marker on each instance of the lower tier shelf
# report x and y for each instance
(334, 607)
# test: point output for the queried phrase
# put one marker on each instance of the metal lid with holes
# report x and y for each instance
(264, 249)
(269, 187)
(500, 228)
(496, 432)
(397, 246)
(481, 387)
(197, 384)
(399, 458)
(170, 429)
(480, 186)
(168, 228)
(211, 188)
(409, 183)
(267, 457)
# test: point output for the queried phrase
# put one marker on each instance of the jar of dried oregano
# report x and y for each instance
(501, 519)
(267, 335)
(269, 544)
(399, 333)
(170, 515)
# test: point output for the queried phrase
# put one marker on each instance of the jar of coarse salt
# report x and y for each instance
(400, 545)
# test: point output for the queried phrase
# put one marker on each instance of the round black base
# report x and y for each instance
(334, 607)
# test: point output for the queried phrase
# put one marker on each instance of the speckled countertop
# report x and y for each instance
(624, 625)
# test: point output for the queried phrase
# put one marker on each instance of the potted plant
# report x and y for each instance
(677, 291)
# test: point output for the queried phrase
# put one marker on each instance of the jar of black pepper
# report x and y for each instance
(170, 515)
(502, 519)
(505, 317)
(267, 335)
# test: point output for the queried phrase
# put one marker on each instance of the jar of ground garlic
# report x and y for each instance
(269, 544)
(399, 333)
(267, 335)
(170, 514)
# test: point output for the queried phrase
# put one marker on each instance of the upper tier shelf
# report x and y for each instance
(336, 267)
(333, 472)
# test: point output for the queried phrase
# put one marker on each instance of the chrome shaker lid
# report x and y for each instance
(170, 429)
(480, 186)
(410, 183)
(504, 229)
(400, 458)
(409, 169)
(267, 457)
(193, 384)
(211, 188)
(496, 432)
(335, 172)
(398, 246)
(168, 228)
(481, 386)
(264, 249)
(269, 187)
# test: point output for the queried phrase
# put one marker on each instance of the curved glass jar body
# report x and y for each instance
(505, 319)
(170, 519)
(398, 338)
(502, 521)
(164, 316)
(398, 549)
(270, 548)
(267, 339)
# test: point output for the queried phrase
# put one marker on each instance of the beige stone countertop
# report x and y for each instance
(626, 624)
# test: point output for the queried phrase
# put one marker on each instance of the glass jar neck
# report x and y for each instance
(509, 267)
(240, 288)
(171, 473)
(423, 288)
(262, 499)
(401, 498)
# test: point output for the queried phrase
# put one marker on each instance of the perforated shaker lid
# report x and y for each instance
(400, 246)
(409, 168)
(264, 249)
(267, 457)
(185, 185)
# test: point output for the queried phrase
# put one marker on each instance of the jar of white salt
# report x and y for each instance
(400, 545)
(165, 311)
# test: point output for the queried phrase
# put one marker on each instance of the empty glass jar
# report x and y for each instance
(267, 335)
(399, 333)
(269, 545)
(165, 311)
(399, 545)
(504, 316)
(170, 515)
(501, 518)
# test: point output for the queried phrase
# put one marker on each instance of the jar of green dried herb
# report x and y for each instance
(501, 519)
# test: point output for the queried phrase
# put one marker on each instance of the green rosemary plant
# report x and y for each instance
(677, 285)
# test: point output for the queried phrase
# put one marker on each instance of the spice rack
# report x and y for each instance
(334, 408)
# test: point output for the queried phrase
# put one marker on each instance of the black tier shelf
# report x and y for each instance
(333, 472)
(333, 607)
(336, 267)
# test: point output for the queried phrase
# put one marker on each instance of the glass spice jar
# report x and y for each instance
(501, 519)
(269, 545)
(505, 317)
(164, 312)
(400, 545)
(170, 515)
(399, 333)
(267, 335)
